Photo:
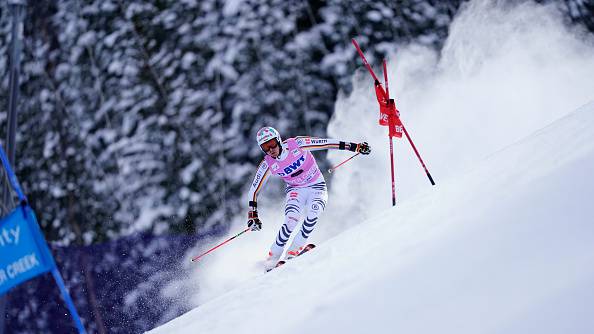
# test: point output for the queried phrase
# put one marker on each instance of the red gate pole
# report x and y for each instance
(418, 155)
(390, 137)
(403, 128)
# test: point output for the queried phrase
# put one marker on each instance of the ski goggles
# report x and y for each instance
(269, 145)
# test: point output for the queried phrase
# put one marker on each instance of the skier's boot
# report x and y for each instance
(293, 253)
(271, 261)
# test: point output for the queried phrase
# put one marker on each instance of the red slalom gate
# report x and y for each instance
(390, 116)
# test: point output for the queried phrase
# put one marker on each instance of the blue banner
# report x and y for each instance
(23, 251)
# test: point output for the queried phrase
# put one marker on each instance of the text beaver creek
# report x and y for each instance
(9, 236)
(19, 266)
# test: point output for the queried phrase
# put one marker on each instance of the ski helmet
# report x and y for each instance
(267, 133)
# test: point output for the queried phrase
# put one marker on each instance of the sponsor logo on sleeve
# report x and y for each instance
(257, 180)
(319, 141)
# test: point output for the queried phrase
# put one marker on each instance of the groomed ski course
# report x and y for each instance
(504, 247)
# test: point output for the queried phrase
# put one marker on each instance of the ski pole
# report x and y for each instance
(342, 163)
(196, 258)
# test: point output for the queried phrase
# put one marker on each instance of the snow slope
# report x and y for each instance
(506, 248)
(503, 244)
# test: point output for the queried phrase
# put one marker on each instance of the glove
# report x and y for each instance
(253, 221)
(363, 148)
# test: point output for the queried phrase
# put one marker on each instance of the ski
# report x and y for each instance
(306, 249)
(278, 264)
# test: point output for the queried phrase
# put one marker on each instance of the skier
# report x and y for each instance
(306, 193)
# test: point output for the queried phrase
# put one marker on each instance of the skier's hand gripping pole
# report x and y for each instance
(363, 148)
(254, 222)
(196, 258)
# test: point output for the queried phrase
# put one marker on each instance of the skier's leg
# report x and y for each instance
(294, 204)
(316, 203)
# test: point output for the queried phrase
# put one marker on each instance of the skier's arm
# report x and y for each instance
(316, 144)
(260, 180)
(258, 183)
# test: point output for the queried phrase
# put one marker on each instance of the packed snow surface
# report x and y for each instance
(507, 247)
(504, 243)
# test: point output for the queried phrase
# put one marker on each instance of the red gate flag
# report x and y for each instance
(389, 115)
